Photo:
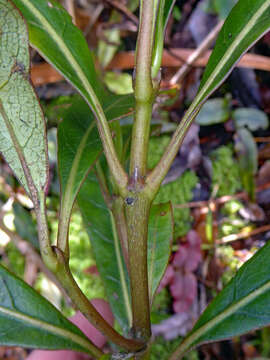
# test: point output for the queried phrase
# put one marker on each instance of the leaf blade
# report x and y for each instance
(160, 237)
(28, 320)
(246, 23)
(79, 148)
(60, 42)
(22, 137)
(241, 306)
(99, 226)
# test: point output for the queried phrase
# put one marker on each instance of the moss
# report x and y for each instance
(162, 349)
(178, 191)
(225, 173)
(81, 258)
(157, 146)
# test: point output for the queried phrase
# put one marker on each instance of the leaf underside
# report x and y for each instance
(22, 136)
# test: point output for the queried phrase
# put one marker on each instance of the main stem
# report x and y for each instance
(137, 214)
(138, 201)
(143, 91)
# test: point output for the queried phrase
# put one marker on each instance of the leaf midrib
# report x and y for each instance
(29, 320)
(121, 271)
(247, 28)
(66, 52)
(190, 340)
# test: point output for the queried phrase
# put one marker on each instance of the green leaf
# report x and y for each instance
(22, 136)
(163, 13)
(160, 236)
(214, 111)
(62, 44)
(107, 250)
(28, 320)
(119, 83)
(79, 146)
(246, 23)
(25, 225)
(253, 119)
(241, 306)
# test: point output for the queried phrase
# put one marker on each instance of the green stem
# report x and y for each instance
(88, 310)
(103, 185)
(46, 251)
(144, 91)
(137, 214)
(116, 169)
(140, 140)
(137, 202)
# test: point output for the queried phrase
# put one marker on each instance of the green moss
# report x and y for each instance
(228, 259)
(162, 349)
(226, 173)
(178, 191)
(81, 258)
(157, 146)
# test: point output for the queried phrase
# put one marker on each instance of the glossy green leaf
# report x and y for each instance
(119, 83)
(62, 44)
(246, 23)
(79, 146)
(107, 250)
(28, 320)
(243, 305)
(253, 119)
(22, 136)
(160, 236)
(163, 13)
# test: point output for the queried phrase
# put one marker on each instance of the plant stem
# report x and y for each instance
(144, 92)
(119, 175)
(88, 310)
(103, 185)
(137, 214)
(137, 202)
